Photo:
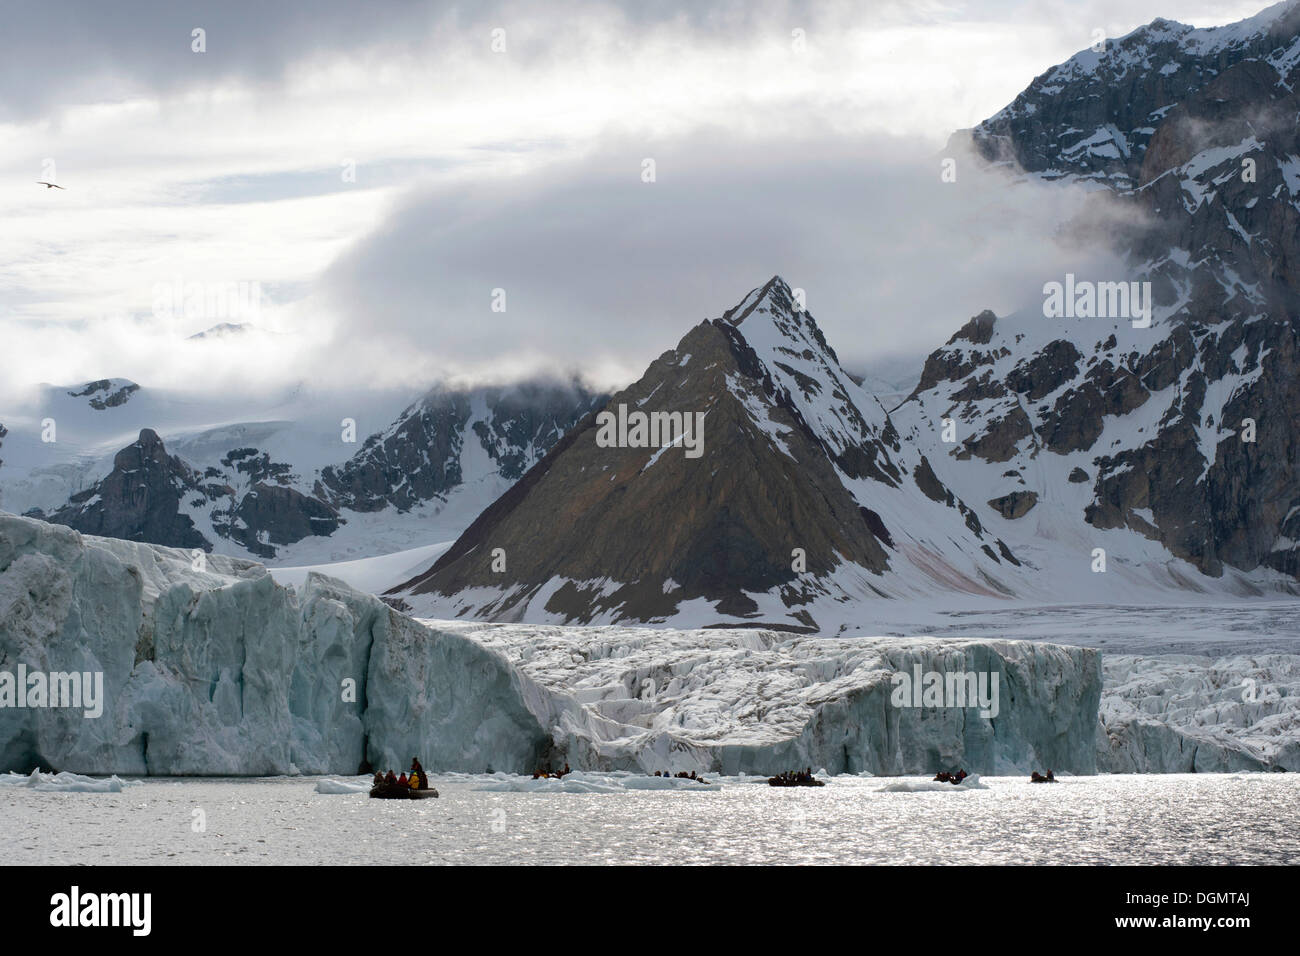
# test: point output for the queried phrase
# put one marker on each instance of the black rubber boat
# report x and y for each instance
(400, 791)
(792, 782)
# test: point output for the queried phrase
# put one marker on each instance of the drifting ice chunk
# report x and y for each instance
(924, 786)
(64, 782)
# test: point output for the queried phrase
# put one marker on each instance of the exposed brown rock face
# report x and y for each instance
(716, 526)
(1000, 441)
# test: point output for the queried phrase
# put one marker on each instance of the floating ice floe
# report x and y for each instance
(65, 782)
(344, 786)
(923, 786)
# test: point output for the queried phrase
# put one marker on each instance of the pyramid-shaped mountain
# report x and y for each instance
(745, 476)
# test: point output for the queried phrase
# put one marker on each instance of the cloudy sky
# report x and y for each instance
(378, 175)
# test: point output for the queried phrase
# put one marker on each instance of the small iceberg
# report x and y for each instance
(64, 782)
(972, 782)
(343, 786)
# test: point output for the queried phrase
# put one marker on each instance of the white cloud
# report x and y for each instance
(225, 166)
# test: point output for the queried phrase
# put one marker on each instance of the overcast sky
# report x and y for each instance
(380, 170)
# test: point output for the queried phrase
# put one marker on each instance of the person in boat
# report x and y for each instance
(1050, 778)
(402, 782)
(418, 779)
(1037, 777)
(379, 779)
(390, 778)
(961, 775)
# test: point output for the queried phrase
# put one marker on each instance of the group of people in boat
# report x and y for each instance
(795, 776)
(943, 776)
(416, 781)
(1037, 777)
(681, 775)
(540, 774)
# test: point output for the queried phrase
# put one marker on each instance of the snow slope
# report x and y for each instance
(370, 575)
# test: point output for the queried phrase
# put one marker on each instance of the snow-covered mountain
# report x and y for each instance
(1131, 444)
(1185, 432)
(290, 478)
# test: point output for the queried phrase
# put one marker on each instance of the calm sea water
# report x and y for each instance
(1170, 819)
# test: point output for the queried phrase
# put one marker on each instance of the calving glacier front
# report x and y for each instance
(223, 671)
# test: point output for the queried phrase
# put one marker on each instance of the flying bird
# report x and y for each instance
(41, 182)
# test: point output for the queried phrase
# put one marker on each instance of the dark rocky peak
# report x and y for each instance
(978, 331)
(140, 499)
(419, 457)
(1093, 117)
(105, 392)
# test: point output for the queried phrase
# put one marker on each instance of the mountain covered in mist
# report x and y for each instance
(1187, 432)
(267, 486)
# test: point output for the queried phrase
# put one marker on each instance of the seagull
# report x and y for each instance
(41, 182)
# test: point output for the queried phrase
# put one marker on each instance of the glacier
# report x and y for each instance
(734, 700)
(1182, 713)
(211, 667)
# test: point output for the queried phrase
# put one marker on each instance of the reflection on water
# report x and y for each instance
(1170, 819)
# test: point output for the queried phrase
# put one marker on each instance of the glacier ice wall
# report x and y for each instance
(222, 671)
